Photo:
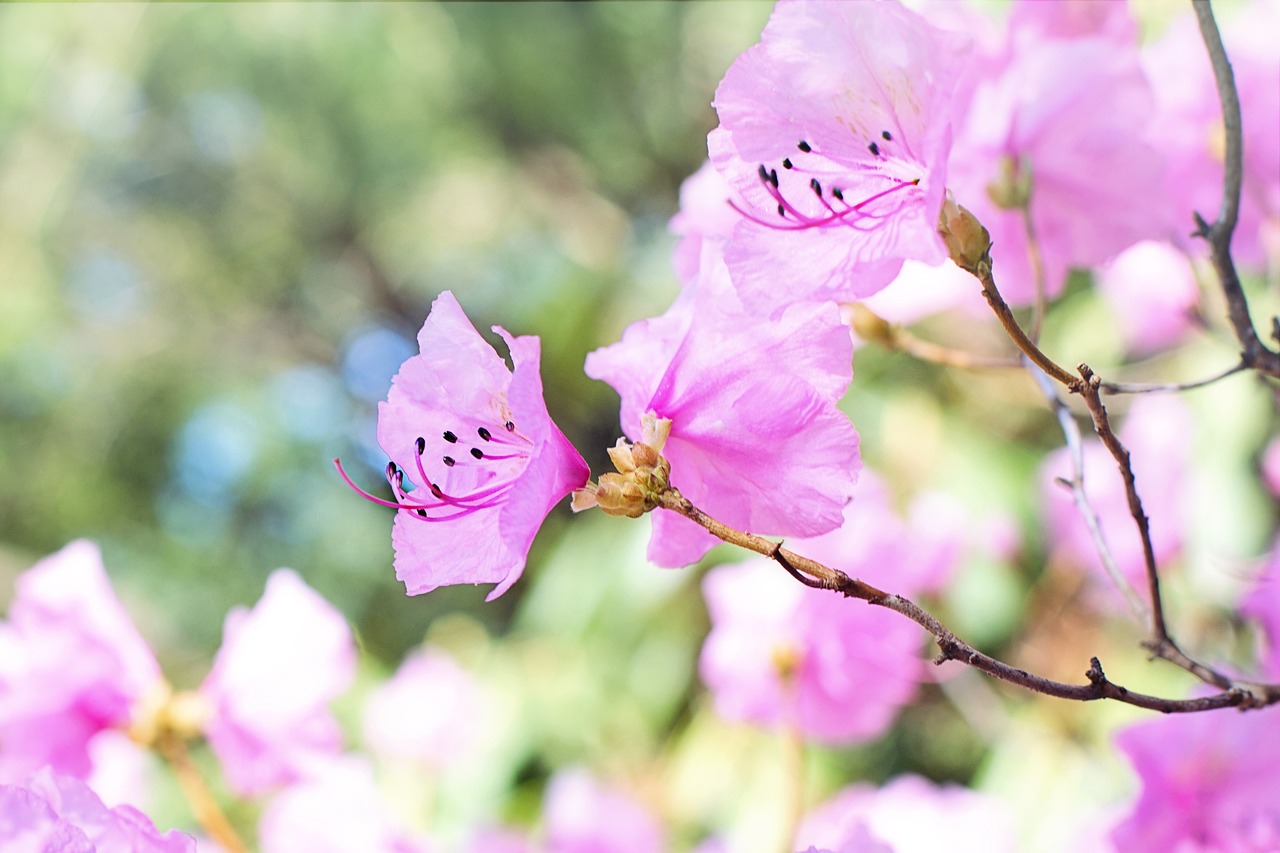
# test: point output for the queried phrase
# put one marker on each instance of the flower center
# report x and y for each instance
(480, 464)
(830, 208)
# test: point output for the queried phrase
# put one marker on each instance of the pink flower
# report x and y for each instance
(835, 130)
(429, 711)
(50, 813)
(913, 815)
(1153, 293)
(72, 665)
(1262, 605)
(1157, 432)
(279, 667)
(477, 439)
(1210, 782)
(706, 213)
(1271, 466)
(338, 810)
(836, 669)
(1058, 123)
(582, 816)
(756, 438)
(1188, 128)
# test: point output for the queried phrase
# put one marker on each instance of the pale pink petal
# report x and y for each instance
(430, 711)
(279, 667)
(580, 815)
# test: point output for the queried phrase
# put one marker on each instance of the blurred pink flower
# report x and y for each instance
(477, 439)
(1059, 120)
(1262, 605)
(1153, 293)
(705, 214)
(279, 667)
(912, 815)
(1188, 129)
(1210, 782)
(836, 669)
(429, 711)
(580, 815)
(72, 664)
(50, 813)
(835, 130)
(1271, 466)
(756, 438)
(1158, 433)
(338, 810)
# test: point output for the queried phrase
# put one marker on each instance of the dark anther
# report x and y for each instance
(476, 452)
(886, 136)
(391, 470)
(421, 512)
(450, 437)
(510, 426)
(875, 149)
(435, 490)
(782, 211)
(449, 462)
(786, 162)
(916, 182)
(773, 178)
(421, 444)
(815, 186)
(768, 176)
(484, 433)
(804, 146)
(838, 193)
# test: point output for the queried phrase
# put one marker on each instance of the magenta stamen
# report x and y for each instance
(847, 217)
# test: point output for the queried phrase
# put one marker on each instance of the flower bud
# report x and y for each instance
(966, 239)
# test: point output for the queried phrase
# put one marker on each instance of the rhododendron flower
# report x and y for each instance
(429, 711)
(835, 129)
(1209, 782)
(279, 667)
(1188, 128)
(836, 670)
(580, 815)
(1157, 431)
(912, 815)
(756, 439)
(338, 810)
(1153, 294)
(72, 664)
(476, 438)
(50, 813)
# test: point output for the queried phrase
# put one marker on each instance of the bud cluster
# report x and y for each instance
(643, 474)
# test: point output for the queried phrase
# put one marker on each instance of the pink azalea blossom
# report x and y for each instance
(835, 669)
(1188, 128)
(1157, 431)
(912, 815)
(338, 810)
(488, 461)
(429, 711)
(756, 438)
(707, 212)
(835, 130)
(51, 813)
(1153, 293)
(580, 815)
(1210, 782)
(1262, 605)
(279, 667)
(72, 665)
(1061, 121)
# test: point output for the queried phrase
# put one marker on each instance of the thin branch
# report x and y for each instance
(1036, 260)
(1160, 644)
(1029, 348)
(1253, 353)
(173, 749)
(1170, 387)
(1235, 694)
(1075, 447)
(872, 327)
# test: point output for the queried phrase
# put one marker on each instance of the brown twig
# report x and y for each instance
(1170, 387)
(870, 326)
(1020, 339)
(1234, 694)
(1036, 260)
(1075, 447)
(1253, 353)
(204, 805)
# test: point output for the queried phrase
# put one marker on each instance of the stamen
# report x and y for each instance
(485, 434)
(804, 146)
(875, 149)
(449, 437)
(816, 187)
(421, 444)
(449, 461)
(786, 163)
(477, 453)
(510, 426)
(886, 136)
(837, 193)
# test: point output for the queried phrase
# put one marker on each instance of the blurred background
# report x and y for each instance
(221, 227)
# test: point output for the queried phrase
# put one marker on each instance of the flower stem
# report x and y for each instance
(173, 749)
